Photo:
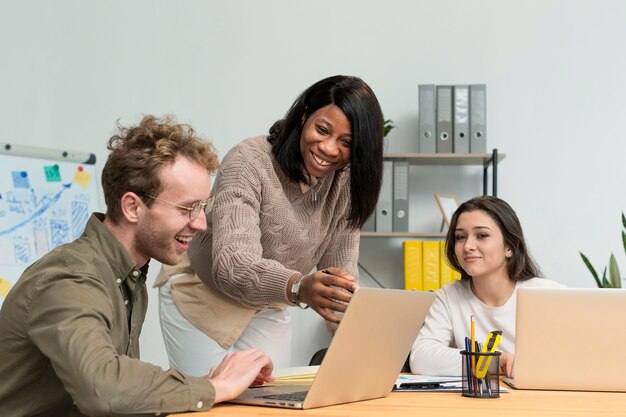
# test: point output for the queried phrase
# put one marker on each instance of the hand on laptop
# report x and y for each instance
(328, 291)
(238, 371)
(507, 360)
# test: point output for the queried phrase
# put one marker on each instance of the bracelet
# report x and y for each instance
(295, 292)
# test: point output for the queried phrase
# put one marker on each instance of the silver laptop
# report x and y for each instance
(570, 339)
(365, 355)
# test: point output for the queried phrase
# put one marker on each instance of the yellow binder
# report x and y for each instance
(448, 274)
(413, 277)
(431, 254)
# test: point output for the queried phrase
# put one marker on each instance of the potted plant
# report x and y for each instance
(614, 280)
(387, 126)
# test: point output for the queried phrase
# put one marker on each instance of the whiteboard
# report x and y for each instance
(46, 197)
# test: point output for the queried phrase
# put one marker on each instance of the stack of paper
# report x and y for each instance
(300, 375)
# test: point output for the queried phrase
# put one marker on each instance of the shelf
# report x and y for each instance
(404, 234)
(483, 159)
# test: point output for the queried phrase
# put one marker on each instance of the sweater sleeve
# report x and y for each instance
(433, 352)
(239, 267)
(343, 252)
(70, 323)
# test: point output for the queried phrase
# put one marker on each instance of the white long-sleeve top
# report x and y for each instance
(436, 349)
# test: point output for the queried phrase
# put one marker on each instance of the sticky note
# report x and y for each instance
(5, 286)
(20, 179)
(53, 174)
(82, 178)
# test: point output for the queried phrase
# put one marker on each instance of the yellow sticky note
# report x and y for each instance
(82, 178)
(5, 286)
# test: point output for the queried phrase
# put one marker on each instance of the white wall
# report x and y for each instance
(554, 70)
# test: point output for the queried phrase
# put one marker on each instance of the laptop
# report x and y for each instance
(570, 339)
(365, 355)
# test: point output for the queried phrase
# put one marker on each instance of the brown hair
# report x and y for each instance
(139, 153)
(520, 266)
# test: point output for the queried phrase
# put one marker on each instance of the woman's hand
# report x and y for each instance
(327, 291)
(507, 360)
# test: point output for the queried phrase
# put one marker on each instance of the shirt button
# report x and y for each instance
(200, 404)
(119, 281)
(135, 273)
(125, 302)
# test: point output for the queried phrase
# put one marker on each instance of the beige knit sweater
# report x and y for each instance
(262, 228)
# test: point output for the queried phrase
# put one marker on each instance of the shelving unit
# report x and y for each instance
(486, 160)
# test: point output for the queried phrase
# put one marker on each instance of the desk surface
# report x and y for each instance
(447, 404)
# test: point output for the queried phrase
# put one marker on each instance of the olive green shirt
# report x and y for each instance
(69, 333)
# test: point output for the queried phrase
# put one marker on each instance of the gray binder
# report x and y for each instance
(478, 118)
(461, 119)
(400, 196)
(444, 119)
(384, 208)
(370, 224)
(427, 117)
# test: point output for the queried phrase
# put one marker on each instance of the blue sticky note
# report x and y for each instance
(53, 174)
(20, 179)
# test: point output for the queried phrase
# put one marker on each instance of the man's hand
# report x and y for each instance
(238, 371)
(327, 291)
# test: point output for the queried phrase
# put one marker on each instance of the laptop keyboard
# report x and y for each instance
(291, 396)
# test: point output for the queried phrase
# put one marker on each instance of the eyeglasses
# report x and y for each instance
(194, 209)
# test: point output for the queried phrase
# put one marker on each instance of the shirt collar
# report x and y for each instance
(121, 262)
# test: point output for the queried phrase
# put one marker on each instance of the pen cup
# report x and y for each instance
(481, 374)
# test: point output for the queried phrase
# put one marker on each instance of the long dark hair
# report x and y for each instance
(520, 266)
(358, 102)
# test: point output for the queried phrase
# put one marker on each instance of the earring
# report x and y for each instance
(508, 255)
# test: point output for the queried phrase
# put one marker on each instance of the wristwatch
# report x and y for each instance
(295, 292)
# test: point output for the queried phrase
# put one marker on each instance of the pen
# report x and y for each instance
(468, 366)
(326, 271)
(472, 334)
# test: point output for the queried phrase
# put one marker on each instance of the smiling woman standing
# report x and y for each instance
(485, 243)
(283, 205)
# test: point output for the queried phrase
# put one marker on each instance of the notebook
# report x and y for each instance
(365, 355)
(570, 339)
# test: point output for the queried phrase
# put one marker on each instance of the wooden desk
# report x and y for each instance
(447, 404)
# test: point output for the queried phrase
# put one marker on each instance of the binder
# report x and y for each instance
(400, 222)
(427, 118)
(430, 254)
(478, 118)
(384, 208)
(461, 119)
(447, 274)
(413, 265)
(444, 119)
(370, 224)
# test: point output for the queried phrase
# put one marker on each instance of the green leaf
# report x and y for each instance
(591, 269)
(614, 273)
(605, 282)
(623, 232)
(387, 126)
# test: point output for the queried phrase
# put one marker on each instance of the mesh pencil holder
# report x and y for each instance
(481, 374)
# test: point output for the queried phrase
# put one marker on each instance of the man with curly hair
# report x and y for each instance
(69, 329)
